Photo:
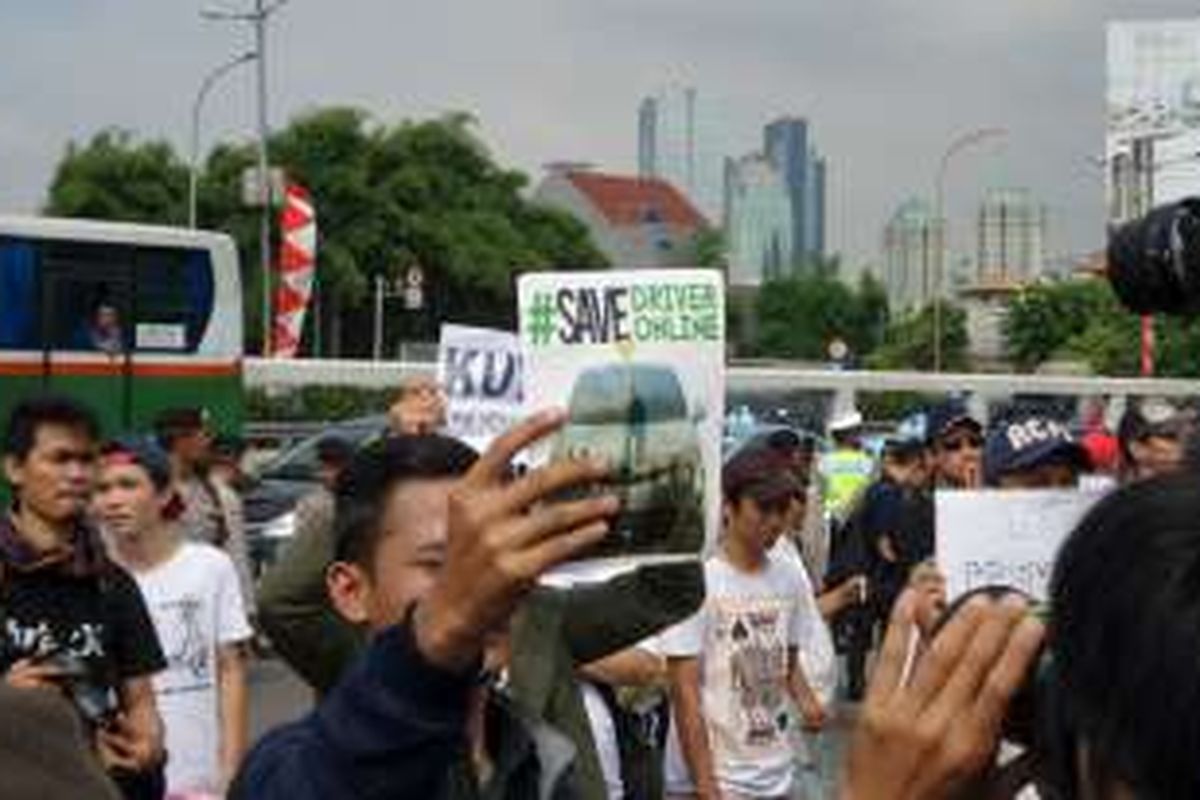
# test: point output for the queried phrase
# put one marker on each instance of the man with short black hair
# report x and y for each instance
(435, 550)
(62, 600)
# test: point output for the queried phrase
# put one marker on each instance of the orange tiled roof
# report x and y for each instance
(626, 201)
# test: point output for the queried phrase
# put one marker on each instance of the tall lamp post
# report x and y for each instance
(210, 80)
(258, 18)
(959, 144)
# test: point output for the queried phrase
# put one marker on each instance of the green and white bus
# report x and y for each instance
(130, 319)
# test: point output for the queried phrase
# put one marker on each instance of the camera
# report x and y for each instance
(94, 702)
(1154, 261)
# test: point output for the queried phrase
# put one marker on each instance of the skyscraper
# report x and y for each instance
(680, 141)
(1012, 237)
(758, 223)
(912, 242)
(788, 146)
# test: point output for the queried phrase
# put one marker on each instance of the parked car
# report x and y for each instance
(270, 504)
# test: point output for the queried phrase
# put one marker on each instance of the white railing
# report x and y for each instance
(296, 373)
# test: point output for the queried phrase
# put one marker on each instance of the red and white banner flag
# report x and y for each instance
(297, 264)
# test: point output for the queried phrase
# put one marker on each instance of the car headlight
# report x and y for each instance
(282, 527)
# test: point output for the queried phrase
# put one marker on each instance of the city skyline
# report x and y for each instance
(546, 83)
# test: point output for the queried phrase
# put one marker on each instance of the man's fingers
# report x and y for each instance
(494, 462)
(556, 519)
(554, 551)
(894, 652)
(1023, 647)
(545, 481)
(938, 663)
(986, 645)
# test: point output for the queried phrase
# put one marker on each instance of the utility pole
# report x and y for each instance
(259, 18)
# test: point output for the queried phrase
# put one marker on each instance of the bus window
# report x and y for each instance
(85, 289)
(18, 296)
(174, 299)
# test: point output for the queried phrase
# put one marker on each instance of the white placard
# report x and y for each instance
(480, 370)
(636, 358)
(1005, 537)
(160, 336)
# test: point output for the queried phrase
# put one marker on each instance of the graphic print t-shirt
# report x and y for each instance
(196, 605)
(741, 636)
(101, 621)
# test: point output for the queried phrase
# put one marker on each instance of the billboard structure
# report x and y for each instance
(1153, 141)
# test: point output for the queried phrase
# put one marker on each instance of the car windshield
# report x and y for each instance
(299, 462)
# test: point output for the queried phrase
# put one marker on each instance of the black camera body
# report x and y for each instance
(93, 701)
(1154, 261)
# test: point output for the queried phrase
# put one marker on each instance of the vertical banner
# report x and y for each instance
(637, 359)
(297, 264)
(481, 372)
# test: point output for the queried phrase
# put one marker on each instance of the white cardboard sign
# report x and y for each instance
(481, 371)
(637, 358)
(1009, 537)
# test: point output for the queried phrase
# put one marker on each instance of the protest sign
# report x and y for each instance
(480, 370)
(637, 360)
(1005, 538)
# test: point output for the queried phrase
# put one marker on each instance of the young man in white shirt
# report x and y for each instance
(192, 592)
(734, 669)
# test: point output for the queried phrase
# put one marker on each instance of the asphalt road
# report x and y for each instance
(276, 696)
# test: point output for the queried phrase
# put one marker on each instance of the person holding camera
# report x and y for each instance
(1109, 699)
(72, 620)
(438, 555)
(192, 591)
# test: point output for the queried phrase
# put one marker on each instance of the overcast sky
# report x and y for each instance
(887, 84)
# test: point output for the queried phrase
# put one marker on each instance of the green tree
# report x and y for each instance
(908, 342)
(1083, 320)
(114, 176)
(1043, 319)
(798, 317)
(387, 198)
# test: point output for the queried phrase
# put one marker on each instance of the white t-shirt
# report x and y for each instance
(818, 658)
(196, 604)
(741, 636)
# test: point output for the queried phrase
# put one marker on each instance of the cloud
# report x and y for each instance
(886, 83)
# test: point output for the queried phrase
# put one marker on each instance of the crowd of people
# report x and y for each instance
(411, 599)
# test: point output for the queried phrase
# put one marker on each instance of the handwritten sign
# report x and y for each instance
(1008, 538)
(483, 376)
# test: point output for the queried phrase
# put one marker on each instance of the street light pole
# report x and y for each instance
(259, 17)
(958, 145)
(210, 80)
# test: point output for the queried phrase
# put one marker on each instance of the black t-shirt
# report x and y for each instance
(99, 618)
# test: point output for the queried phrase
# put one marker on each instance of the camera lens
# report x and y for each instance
(1154, 262)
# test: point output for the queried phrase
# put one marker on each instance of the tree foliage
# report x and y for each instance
(1083, 320)
(798, 317)
(387, 197)
(115, 177)
(908, 343)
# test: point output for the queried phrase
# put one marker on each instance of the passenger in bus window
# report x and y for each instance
(104, 330)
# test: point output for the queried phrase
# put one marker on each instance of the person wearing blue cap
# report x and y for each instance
(191, 590)
(956, 446)
(1033, 451)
